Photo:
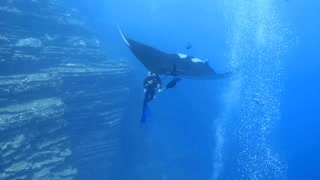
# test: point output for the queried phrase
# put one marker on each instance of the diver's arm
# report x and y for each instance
(145, 84)
(159, 84)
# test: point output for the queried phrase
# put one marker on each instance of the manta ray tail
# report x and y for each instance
(224, 75)
(227, 74)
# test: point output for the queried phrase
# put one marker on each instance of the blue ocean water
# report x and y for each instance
(260, 124)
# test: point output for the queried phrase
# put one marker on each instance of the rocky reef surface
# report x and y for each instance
(61, 98)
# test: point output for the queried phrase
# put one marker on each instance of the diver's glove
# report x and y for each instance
(159, 90)
(144, 90)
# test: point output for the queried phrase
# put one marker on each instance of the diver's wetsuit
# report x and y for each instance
(150, 83)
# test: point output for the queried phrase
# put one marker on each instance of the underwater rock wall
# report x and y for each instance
(33, 144)
(61, 99)
(96, 96)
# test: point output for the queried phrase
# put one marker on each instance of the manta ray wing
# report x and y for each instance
(163, 63)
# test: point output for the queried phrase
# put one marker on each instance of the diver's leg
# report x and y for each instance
(152, 94)
(144, 106)
(149, 95)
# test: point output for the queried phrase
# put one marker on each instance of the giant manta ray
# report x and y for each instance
(175, 64)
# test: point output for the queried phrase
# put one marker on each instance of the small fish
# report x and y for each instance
(188, 46)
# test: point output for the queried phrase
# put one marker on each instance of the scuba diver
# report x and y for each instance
(150, 83)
